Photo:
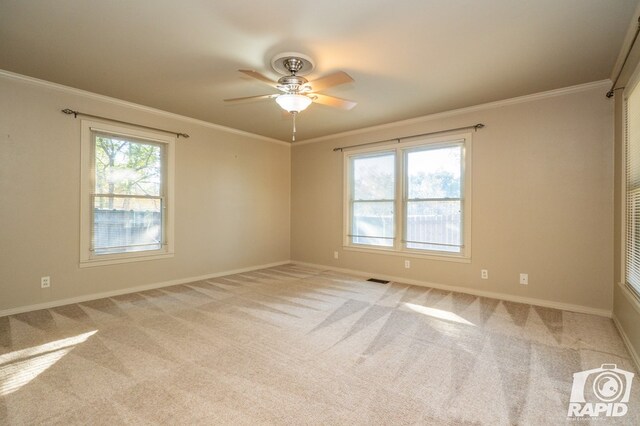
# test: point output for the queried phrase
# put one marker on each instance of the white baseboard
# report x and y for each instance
(459, 289)
(94, 296)
(494, 295)
(627, 343)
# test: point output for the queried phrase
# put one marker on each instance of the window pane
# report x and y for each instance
(126, 167)
(374, 177)
(434, 173)
(124, 224)
(373, 223)
(434, 225)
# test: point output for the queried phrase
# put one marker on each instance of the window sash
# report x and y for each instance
(356, 237)
(133, 248)
(441, 229)
(407, 200)
(385, 223)
(101, 250)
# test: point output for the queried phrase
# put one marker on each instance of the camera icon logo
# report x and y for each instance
(600, 391)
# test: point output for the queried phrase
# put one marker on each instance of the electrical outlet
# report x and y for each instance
(407, 264)
(484, 274)
(335, 254)
(524, 279)
(45, 282)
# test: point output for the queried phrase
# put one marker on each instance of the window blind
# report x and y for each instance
(632, 153)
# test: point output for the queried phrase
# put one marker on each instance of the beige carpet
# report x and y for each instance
(293, 345)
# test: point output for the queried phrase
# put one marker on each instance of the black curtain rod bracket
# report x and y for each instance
(77, 113)
(475, 127)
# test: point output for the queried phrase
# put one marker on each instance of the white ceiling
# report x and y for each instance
(408, 57)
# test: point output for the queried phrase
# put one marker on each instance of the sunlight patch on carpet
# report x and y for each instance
(20, 367)
(438, 313)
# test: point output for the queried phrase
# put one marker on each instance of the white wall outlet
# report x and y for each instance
(524, 279)
(335, 254)
(407, 264)
(45, 282)
(484, 274)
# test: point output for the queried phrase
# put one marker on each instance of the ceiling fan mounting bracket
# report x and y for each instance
(292, 63)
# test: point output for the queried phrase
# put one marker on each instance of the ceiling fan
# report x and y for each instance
(297, 93)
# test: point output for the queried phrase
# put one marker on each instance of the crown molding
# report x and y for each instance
(417, 120)
(114, 101)
(603, 84)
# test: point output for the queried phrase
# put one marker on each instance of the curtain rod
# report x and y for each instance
(633, 42)
(475, 127)
(77, 113)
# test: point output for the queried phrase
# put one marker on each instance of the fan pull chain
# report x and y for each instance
(293, 137)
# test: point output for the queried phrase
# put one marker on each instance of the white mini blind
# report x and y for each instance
(632, 152)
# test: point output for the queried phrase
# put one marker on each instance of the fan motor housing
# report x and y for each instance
(292, 83)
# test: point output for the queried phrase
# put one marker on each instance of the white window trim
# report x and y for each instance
(87, 259)
(398, 248)
(632, 84)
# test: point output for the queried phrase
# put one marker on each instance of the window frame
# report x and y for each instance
(401, 151)
(87, 192)
(631, 86)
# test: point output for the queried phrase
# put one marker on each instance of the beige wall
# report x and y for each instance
(542, 201)
(231, 199)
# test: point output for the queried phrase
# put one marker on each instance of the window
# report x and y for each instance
(127, 178)
(632, 189)
(413, 198)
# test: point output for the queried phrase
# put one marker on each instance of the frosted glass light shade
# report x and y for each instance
(292, 102)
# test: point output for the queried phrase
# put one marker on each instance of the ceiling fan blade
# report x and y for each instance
(330, 80)
(251, 98)
(258, 76)
(333, 101)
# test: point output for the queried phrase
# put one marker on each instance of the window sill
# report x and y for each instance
(413, 255)
(90, 263)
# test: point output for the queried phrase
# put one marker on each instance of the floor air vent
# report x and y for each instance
(375, 280)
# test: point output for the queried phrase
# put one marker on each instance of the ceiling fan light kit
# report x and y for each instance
(298, 92)
(293, 102)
